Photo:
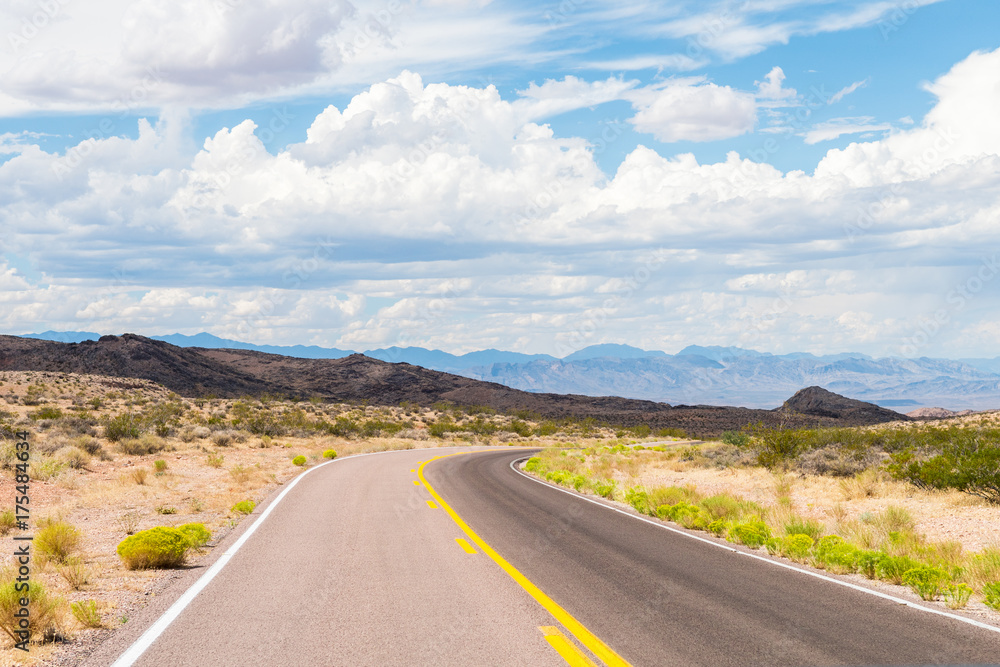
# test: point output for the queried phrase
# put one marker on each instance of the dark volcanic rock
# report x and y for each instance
(192, 372)
(819, 402)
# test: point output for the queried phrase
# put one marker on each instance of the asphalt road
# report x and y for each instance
(354, 567)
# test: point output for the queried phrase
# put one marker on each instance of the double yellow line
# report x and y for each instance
(552, 635)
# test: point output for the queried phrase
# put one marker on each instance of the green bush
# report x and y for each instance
(638, 498)
(736, 438)
(867, 562)
(956, 596)
(892, 568)
(718, 527)
(605, 488)
(86, 613)
(7, 521)
(243, 507)
(57, 540)
(159, 466)
(534, 464)
(925, 581)
(751, 533)
(835, 555)
(45, 413)
(991, 595)
(125, 426)
(722, 506)
(796, 547)
(147, 443)
(299, 460)
(329, 454)
(196, 534)
(799, 526)
(969, 461)
(160, 547)
(43, 611)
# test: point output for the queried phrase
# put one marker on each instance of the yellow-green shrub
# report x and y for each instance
(196, 533)
(42, 610)
(243, 507)
(57, 540)
(160, 547)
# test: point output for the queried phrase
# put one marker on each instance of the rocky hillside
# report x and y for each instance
(195, 371)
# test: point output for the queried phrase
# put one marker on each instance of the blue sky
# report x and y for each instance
(787, 175)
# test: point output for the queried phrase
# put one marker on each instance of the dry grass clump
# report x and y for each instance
(57, 540)
(147, 443)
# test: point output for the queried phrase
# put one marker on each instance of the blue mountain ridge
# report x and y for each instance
(711, 375)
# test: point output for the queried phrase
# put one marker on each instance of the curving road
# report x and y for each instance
(361, 563)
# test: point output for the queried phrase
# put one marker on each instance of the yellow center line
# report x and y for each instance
(565, 648)
(430, 503)
(469, 549)
(416, 483)
(577, 629)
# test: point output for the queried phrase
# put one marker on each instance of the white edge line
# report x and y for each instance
(817, 575)
(153, 632)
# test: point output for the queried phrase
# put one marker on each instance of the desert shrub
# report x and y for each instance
(74, 457)
(240, 474)
(751, 533)
(956, 596)
(48, 412)
(145, 444)
(330, 454)
(718, 527)
(128, 522)
(165, 509)
(43, 610)
(605, 488)
(57, 540)
(47, 468)
(835, 555)
(681, 513)
(139, 475)
(243, 507)
(125, 426)
(546, 428)
(299, 460)
(925, 581)
(796, 525)
(736, 438)
(223, 438)
(775, 447)
(671, 495)
(159, 466)
(7, 521)
(991, 595)
(196, 533)
(160, 547)
(215, 460)
(522, 428)
(534, 464)
(89, 444)
(796, 546)
(722, 506)
(86, 613)
(867, 562)
(968, 461)
(75, 572)
(983, 567)
(836, 461)
(637, 497)
(892, 568)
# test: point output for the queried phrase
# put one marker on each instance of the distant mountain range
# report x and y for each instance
(696, 375)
